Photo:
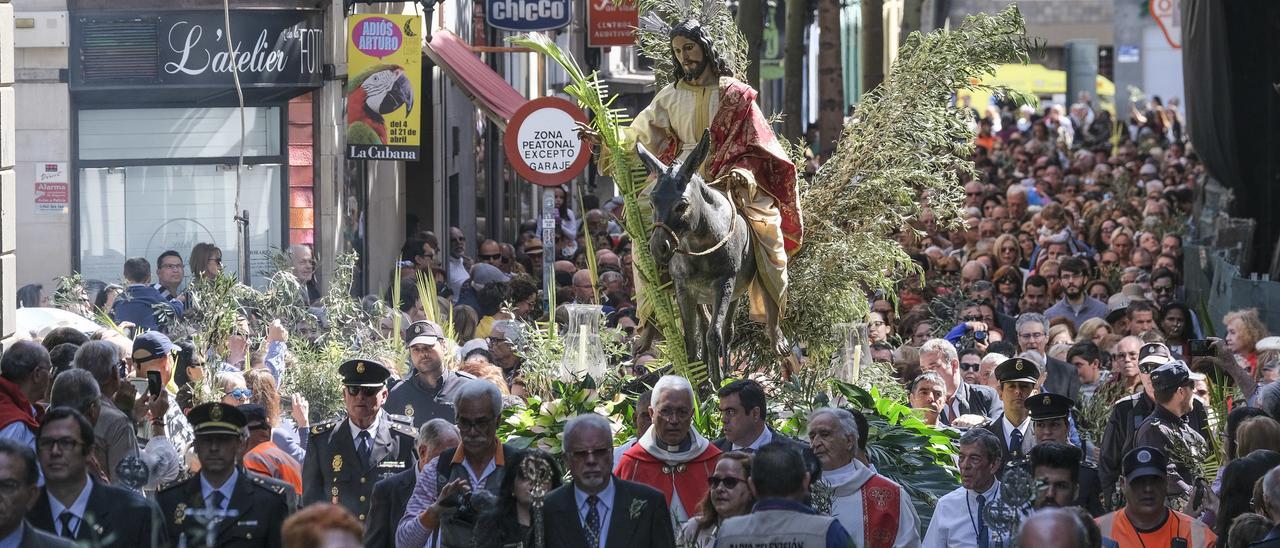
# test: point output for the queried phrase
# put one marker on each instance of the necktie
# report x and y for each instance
(216, 499)
(1015, 444)
(983, 535)
(65, 517)
(593, 522)
(362, 447)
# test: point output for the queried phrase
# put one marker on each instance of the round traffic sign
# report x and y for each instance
(542, 142)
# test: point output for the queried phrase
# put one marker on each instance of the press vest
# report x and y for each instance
(770, 528)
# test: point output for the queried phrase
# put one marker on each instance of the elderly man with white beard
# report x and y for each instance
(862, 499)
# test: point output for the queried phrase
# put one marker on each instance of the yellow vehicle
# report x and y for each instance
(1039, 81)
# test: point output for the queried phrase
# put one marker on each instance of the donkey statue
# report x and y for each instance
(706, 244)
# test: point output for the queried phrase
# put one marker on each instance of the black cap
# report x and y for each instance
(359, 372)
(151, 345)
(216, 418)
(1154, 353)
(1017, 370)
(1171, 375)
(424, 332)
(1043, 407)
(254, 414)
(1144, 461)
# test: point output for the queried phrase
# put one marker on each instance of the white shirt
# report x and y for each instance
(372, 430)
(955, 519)
(765, 437)
(604, 508)
(848, 509)
(207, 489)
(77, 508)
(1028, 439)
(455, 275)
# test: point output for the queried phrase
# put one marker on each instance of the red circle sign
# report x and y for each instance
(542, 143)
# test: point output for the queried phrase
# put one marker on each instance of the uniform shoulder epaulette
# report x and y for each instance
(465, 375)
(176, 482)
(402, 424)
(270, 484)
(322, 427)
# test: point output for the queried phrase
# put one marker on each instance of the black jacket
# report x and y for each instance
(974, 400)
(331, 471)
(639, 517)
(261, 505)
(1122, 427)
(1062, 379)
(724, 445)
(120, 515)
(390, 496)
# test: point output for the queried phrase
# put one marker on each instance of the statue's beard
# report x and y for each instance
(696, 73)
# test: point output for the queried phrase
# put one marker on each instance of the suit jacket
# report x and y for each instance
(332, 471)
(124, 516)
(996, 426)
(1062, 379)
(640, 517)
(724, 445)
(974, 400)
(390, 496)
(261, 505)
(35, 538)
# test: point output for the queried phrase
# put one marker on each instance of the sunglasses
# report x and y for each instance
(728, 482)
(975, 367)
(493, 257)
(367, 391)
(241, 393)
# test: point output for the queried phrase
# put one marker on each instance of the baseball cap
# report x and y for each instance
(1173, 374)
(1154, 353)
(483, 274)
(151, 345)
(533, 247)
(1117, 305)
(1144, 461)
(424, 332)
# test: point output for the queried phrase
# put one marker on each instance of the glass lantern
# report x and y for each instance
(583, 351)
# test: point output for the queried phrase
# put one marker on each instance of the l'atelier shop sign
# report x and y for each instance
(268, 48)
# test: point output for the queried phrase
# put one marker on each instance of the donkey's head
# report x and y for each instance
(676, 197)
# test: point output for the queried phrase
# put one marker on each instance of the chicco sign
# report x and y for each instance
(527, 15)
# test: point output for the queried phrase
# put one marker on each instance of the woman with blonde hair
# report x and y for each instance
(1093, 330)
(1244, 330)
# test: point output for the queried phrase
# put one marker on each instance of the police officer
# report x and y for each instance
(1128, 414)
(1166, 430)
(347, 456)
(1017, 378)
(1050, 421)
(428, 393)
(248, 508)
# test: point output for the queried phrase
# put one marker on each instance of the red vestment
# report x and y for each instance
(689, 478)
(880, 512)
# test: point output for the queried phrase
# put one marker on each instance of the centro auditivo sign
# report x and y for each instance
(542, 142)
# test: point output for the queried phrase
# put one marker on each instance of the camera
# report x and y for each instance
(979, 335)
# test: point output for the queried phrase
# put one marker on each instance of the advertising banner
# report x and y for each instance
(611, 24)
(384, 56)
(527, 15)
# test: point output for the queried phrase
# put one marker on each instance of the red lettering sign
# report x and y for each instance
(611, 24)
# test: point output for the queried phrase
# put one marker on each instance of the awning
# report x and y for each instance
(486, 88)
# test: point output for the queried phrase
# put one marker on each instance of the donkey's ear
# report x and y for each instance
(694, 161)
(652, 162)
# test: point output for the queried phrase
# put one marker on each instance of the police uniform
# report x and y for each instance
(416, 399)
(1046, 407)
(333, 470)
(256, 509)
(1015, 439)
(1163, 429)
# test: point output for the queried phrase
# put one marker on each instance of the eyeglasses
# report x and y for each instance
(675, 414)
(972, 318)
(1124, 355)
(1162, 288)
(171, 266)
(728, 482)
(493, 257)
(477, 425)
(9, 487)
(241, 393)
(64, 445)
(599, 453)
(366, 391)
(970, 367)
(216, 260)
(1031, 336)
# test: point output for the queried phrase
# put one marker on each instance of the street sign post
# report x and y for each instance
(542, 141)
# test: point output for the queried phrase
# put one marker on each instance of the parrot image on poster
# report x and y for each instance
(371, 96)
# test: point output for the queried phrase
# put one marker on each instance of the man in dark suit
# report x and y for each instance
(249, 508)
(346, 457)
(1017, 378)
(18, 474)
(743, 409)
(971, 404)
(599, 510)
(74, 506)
(391, 495)
(1061, 377)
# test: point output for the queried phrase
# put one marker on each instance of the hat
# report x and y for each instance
(216, 418)
(424, 332)
(1017, 370)
(1144, 461)
(1043, 407)
(151, 345)
(1156, 353)
(533, 247)
(1148, 169)
(1173, 374)
(483, 274)
(1135, 292)
(1267, 343)
(360, 372)
(1117, 305)
(254, 414)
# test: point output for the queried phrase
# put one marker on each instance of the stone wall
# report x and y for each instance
(8, 179)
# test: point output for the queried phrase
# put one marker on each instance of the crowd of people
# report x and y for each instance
(1049, 329)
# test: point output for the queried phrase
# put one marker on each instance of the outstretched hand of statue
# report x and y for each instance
(588, 133)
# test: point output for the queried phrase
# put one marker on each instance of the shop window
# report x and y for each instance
(160, 133)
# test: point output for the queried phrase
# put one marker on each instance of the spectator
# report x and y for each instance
(140, 308)
(1035, 294)
(1075, 305)
(509, 519)
(152, 351)
(1241, 473)
(206, 262)
(1052, 528)
(969, 404)
(25, 371)
(1175, 325)
(169, 273)
(322, 525)
(927, 393)
(31, 296)
(729, 496)
(458, 265)
(1244, 330)
(1247, 528)
(1060, 377)
(780, 518)
(18, 471)
(1093, 330)
(1087, 359)
(302, 264)
(261, 454)
(391, 495)
(63, 335)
